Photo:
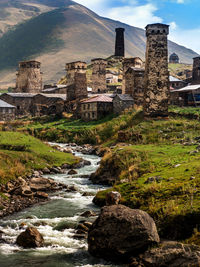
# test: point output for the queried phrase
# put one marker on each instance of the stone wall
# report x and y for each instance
(99, 75)
(29, 77)
(156, 99)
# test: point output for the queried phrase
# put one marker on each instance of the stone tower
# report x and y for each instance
(134, 84)
(99, 75)
(196, 71)
(76, 80)
(156, 97)
(119, 43)
(135, 62)
(29, 77)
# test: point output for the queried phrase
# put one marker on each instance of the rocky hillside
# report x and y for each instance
(62, 31)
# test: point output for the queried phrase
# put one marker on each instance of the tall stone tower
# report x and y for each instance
(196, 71)
(134, 62)
(29, 77)
(76, 80)
(119, 43)
(156, 97)
(99, 75)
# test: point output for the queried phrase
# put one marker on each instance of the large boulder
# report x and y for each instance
(120, 232)
(31, 238)
(171, 254)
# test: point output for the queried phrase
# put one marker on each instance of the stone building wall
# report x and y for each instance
(7, 114)
(196, 71)
(29, 77)
(99, 75)
(119, 42)
(76, 81)
(156, 99)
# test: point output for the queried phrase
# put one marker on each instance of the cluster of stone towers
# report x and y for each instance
(29, 77)
(149, 85)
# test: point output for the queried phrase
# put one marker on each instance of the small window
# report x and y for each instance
(88, 106)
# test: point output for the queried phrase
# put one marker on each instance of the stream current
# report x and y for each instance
(61, 248)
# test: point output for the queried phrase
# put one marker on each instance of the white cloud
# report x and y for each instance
(173, 25)
(135, 15)
(130, 11)
(189, 38)
(180, 1)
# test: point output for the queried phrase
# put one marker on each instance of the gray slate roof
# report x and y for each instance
(174, 79)
(125, 97)
(4, 104)
(21, 94)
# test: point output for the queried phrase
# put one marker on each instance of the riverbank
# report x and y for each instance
(23, 161)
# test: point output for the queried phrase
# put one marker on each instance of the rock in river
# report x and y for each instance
(31, 238)
(120, 232)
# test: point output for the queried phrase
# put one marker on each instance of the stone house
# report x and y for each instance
(22, 101)
(96, 107)
(122, 102)
(35, 104)
(174, 58)
(7, 111)
(176, 83)
(48, 104)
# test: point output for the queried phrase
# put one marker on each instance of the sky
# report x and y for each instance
(182, 16)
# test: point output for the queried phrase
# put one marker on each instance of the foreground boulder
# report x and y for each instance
(120, 232)
(31, 238)
(171, 254)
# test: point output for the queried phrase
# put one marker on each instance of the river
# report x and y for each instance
(61, 249)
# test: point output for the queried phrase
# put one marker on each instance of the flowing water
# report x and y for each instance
(61, 249)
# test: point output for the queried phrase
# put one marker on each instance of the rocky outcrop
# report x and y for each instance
(24, 192)
(31, 238)
(120, 232)
(171, 254)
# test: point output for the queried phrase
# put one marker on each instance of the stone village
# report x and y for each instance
(146, 84)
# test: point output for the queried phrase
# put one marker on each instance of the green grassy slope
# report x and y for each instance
(19, 154)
